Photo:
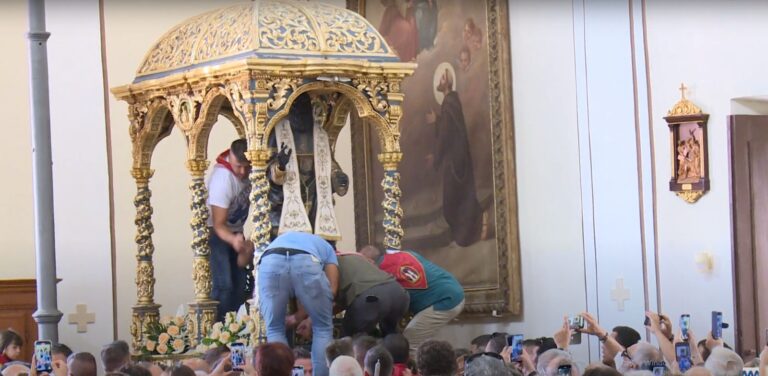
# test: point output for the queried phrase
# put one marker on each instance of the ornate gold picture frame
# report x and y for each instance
(689, 150)
(456, 133)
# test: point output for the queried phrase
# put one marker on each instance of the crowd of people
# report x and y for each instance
(375, 289)
(623, 353)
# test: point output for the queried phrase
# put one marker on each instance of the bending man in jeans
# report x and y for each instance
(436, 296)
(301, 265)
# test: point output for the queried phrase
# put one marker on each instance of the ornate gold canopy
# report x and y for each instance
(248, 62)
(265, 29)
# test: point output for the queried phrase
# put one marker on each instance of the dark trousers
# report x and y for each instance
(228, 280)
(384, 304)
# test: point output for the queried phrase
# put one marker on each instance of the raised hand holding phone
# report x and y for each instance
(685, 324)
(575, 325)
(238, 356)
(43, 357)
(515, 343)
(683, 356)
(717, 325)
(563, 336)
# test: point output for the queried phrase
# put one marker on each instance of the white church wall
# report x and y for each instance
(713, 48)
(17, 243)
(547, 155)
(80, 173)
(609, 163)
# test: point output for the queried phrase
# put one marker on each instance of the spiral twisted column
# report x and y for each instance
(393, 212)
(202, 311)
(146, 310)
(261, 227)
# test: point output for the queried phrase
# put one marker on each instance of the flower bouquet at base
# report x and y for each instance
(169, 336)
(233, 329)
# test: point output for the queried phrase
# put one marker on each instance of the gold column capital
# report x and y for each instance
(390, 160)
(142, 174)
(197, 167)
(257, 157)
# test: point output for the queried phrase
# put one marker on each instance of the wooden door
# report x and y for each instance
(18, 301)
(748, 136)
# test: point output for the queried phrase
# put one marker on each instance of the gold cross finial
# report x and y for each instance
(682, 89)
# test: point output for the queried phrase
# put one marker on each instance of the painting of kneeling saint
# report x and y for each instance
(449, 186)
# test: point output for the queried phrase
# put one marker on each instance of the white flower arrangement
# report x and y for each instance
(169, 336)
(232, 330)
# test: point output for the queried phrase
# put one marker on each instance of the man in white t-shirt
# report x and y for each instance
(228, 190)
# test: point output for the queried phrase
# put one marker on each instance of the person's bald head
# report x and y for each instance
(345, 365)
(81, 364)
(371, 252)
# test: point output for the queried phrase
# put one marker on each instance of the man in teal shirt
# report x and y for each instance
(436, 296)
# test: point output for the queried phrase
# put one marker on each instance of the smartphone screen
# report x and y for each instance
(683, 355)
(576, 322)
(238, 356)
(685, 323)
(515, 342)
(297, 371)
(43, 356)
(717, 324)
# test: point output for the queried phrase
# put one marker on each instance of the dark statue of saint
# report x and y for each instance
(301, 117)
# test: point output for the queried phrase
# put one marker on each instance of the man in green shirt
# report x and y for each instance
(369, 295)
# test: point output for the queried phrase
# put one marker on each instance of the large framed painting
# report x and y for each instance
(458, 168)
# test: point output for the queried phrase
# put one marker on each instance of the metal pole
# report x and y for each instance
(47, 315)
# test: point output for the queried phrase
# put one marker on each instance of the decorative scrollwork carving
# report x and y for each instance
(201, 275)
(282, 87)
(228, 32)
(141, 318)
(376, 90)
(136, 115)
(394, 86)
(345, 31)
(199, 207)
(285, 27)
(185, 109)
(176, 48)
(393, 212)
(690, 196)
(145, 282)
(136, 343)
(239, 96)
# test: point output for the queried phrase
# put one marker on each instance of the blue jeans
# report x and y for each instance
(228, 281)
(282, 277)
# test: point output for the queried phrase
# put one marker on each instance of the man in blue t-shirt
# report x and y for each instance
(436, 296)
(304, 266)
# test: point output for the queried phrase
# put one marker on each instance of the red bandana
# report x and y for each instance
(222, 160)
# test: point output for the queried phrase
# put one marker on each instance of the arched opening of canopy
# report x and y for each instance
(215, 106)
(341, 99)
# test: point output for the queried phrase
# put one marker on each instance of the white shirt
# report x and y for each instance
(226, 191)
